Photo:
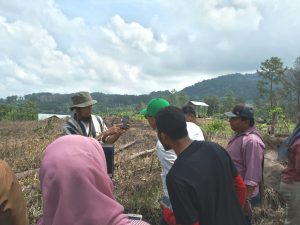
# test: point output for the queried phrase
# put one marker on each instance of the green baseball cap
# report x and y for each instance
(154, 106)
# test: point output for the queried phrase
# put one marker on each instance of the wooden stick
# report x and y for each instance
(140, 154)
(127, 145)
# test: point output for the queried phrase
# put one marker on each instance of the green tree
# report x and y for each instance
(295, 82)
(290, 93)
(271, 72)
(23, 110)
(177, 98)
(11, 99)
(213, 104)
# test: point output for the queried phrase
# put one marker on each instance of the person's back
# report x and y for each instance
(202, 178)
(167, 158)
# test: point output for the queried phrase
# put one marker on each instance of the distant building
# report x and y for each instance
(44, 116)
(200, 107)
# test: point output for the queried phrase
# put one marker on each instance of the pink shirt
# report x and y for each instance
(246, 151)
(292, 172)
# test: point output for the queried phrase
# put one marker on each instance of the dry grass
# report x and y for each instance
(137, 182)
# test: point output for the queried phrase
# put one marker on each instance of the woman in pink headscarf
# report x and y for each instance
(75, 186)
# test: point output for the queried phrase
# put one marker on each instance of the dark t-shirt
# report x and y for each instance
(201, 188)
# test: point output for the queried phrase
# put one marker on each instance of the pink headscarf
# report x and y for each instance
(75, 186)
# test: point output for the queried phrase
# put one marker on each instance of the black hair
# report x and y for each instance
(188, 109)
(171, 121)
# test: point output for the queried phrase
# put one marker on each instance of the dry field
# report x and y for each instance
(136, 178)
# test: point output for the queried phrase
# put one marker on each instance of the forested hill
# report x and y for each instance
(60, 103)
(243, 86)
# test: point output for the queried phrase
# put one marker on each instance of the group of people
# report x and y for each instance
(200, 179)
(203, 183)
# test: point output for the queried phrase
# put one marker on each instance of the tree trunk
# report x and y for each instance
(272, 125)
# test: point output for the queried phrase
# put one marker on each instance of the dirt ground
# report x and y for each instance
(136, 176)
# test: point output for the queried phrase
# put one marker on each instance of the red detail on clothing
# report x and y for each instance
(292, 172)
(240, 189)
(170, 218)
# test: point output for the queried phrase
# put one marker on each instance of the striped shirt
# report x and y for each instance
(92, 128)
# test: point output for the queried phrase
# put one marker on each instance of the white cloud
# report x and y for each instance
(174, 44)
(135, 36)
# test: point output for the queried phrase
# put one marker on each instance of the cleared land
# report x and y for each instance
(137, 172)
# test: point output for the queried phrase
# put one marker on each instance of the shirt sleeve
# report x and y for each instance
(252, 157)
(240, 189)
(170, 218)
(184, 211)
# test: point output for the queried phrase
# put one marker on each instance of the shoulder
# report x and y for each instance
(5, 171)
(97, 118)
(192, 127)
(202, 150)
(194, 131)
(205, 144)
(3, 164)
(253, 139)
(162, 152)
(70, 120)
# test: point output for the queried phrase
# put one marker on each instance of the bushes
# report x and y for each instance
(24, 111)
(216, 127)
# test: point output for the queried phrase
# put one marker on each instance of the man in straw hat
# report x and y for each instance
(82, 121)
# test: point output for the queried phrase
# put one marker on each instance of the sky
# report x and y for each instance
(138, 46)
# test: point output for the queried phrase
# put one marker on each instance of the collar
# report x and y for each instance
(248, 131)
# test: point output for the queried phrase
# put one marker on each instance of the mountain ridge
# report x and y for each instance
(241, 85)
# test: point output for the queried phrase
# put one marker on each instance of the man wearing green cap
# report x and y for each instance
(166, 158)
(82, 122)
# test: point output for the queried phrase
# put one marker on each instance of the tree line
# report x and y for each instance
(276, 96)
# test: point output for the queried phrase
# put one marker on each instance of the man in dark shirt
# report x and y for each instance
(203, 184)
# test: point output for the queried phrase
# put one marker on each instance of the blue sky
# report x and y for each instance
(135, 47)
(100, 12)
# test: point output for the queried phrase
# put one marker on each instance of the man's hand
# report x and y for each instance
(112, 130)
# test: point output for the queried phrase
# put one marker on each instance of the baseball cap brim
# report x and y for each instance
(230, 114)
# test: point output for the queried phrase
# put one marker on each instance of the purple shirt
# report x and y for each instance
(246, 151)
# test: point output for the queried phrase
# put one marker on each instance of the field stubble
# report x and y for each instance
(136, 178)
